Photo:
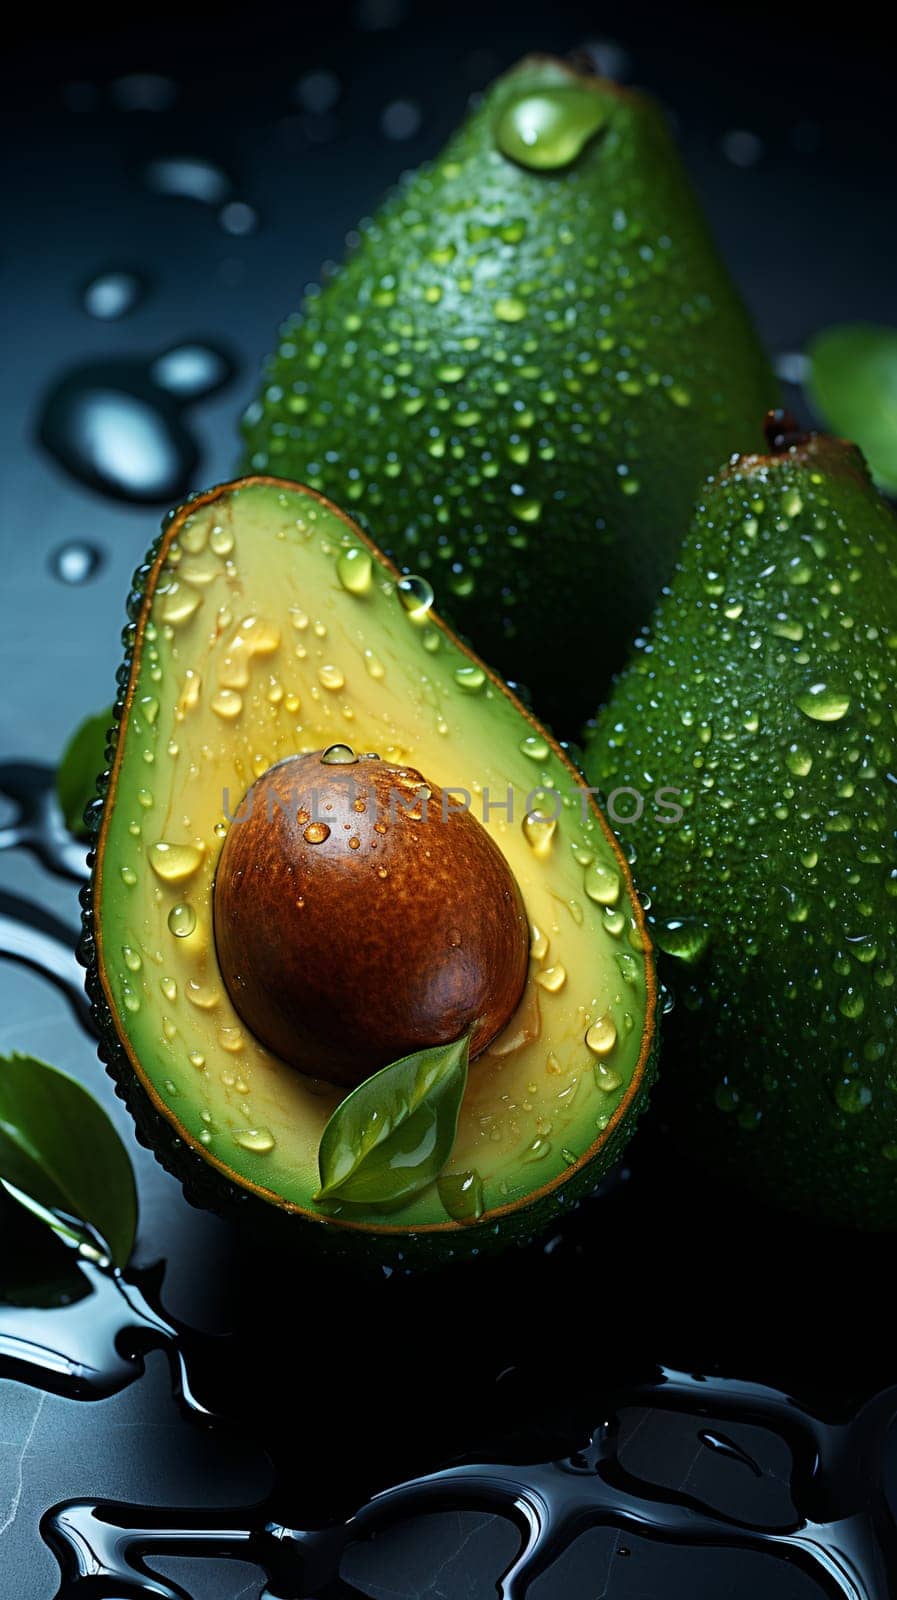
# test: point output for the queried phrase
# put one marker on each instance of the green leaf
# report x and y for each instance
(82, 760)
(59, 1150)
(37, 1266)
(853, 385)
(394, 1134)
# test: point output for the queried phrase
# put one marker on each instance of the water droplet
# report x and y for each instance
(822, 703)
(181, 920)
(174, 863)
(316, 833)
(461, 1194)
(538, 943)
(601, 883)
(330, 677)
(110, 429)
(471, 679)
(354, 568)
(373, 665)
(685, 938)
(552, 978)
(601, 1037)
(549, 129)
(416, 595)
(178, 603)
(201, 995)
(798, 760)
(539, 832)
(132, 958)
(339, 755)
(227, 704)
(189, 178)
(607, 1078)
(221, 541)
(112, 295)
(191, 371)
(852, 1096)
(259, 1140)
(535, 747)
(75, 563)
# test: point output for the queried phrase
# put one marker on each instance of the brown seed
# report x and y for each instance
(431, 946)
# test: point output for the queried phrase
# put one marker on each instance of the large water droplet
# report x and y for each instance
(416, 595)
(181, 921)
(109, 429)
(601, 1037)
(684, 938)
(339, 755)
(316, 833)
(535, 747)
(470, 679)
(822, 703)
(259, 1140)
(461, 1194)
(354, 568)
(548, 129)
(174, 863)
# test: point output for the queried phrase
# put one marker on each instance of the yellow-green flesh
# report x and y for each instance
(260, 642)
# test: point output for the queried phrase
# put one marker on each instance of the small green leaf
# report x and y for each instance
(82, 760)
(394, 1134)
(59, 1150)
(853, 385)
(38, 1267)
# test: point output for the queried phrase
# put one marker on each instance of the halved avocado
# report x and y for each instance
(256, 636)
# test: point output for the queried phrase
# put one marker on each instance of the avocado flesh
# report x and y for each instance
(765, 691)
(250, 648)
(520, 378)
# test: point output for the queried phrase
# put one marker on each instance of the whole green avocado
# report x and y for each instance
(522, 374)
(765, 691)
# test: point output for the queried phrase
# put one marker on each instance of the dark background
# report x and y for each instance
(665, 1269)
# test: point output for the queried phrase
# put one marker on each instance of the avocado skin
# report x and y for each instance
(207, 1188)
(370, 394)
(782, 1056)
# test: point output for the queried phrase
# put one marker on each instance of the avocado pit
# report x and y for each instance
(360, 914)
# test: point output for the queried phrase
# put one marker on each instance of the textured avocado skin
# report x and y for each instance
(782, 1064)
(204, 1186)
(539, 471)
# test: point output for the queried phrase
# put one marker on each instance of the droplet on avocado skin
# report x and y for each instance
(546, 130)
(685, 938)
(822, 703)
